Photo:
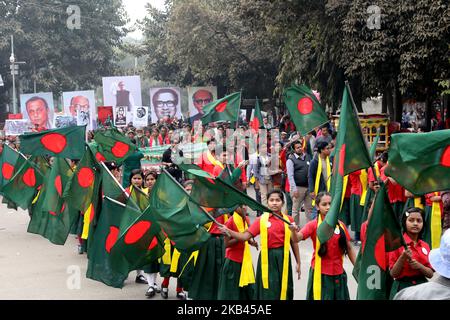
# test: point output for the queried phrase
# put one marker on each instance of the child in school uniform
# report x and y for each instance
(327, 258)
(274, 280)
(411, 266)
(238, 278)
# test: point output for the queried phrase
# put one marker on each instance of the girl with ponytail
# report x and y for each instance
(327, 278)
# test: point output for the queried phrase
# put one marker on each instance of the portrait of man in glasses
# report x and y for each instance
(165, 104)
(200, 98)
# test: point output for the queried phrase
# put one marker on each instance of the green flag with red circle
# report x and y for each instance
(68, 142)
(140, 239)
(256, 122)
(180, 218)
(112, 146)
(22, 187)
(213, 192)
(420, 162)
(10, 161)
(52, 216)
(304, 108)
(383, 235)
(79, 192)
(351, 154)
(225, 109)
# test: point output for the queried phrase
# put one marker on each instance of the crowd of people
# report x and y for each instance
(290, 175)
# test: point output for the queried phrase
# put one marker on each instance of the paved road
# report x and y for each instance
(33, 268)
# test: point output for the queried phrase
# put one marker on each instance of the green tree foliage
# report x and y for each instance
(57, 57)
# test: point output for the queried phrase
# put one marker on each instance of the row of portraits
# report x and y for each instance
(123, 94)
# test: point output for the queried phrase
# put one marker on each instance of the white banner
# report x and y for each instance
(140, 116)
(17, 127)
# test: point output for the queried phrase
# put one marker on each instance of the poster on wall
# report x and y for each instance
(39, 109)
(81, 106)
(198, 97)
(165, 103)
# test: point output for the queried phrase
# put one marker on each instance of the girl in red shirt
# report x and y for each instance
(274, 275)
(411, 266)
(235, 282)
(327, 257)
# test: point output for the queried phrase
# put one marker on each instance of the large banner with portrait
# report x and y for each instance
(81, 105)
(38, 108)
(165, 102)
(140, 116)
(122, 92)
(198, 97)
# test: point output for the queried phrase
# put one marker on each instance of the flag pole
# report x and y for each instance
(184, 190)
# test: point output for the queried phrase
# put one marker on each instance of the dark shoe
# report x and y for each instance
(80, 249)
(141, 279)
(150, 292)
(181, 295)
(165, 292)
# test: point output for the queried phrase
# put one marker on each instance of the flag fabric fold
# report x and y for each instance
(225, 109)
(113, 146)
(351, 154)
(420, 161)
(65, 142)
(304, 108)
(383, 235)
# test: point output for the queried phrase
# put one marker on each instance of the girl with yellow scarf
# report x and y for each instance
(274, 273)
(237, 277)
(327, 278)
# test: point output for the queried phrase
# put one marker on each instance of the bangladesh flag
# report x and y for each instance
(22, 187)
(51, 216)
(225, 109)
(113, 146)
(351, 154)
(213, 192)
(10, 161)
(383, 235)
(257, 120)
(140, 240)
(63, 143)
(180, 218)
(79, 191)
(420, 162)
(103, 239)
(304, 108)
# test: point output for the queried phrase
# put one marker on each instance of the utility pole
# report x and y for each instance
(14, 71)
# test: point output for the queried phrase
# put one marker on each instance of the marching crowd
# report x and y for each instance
(290, 174)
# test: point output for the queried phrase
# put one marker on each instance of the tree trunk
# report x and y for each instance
(428, 111)
(398, 105)
(355, 85)
(384, 103)
(446, 107)
(390, 103)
